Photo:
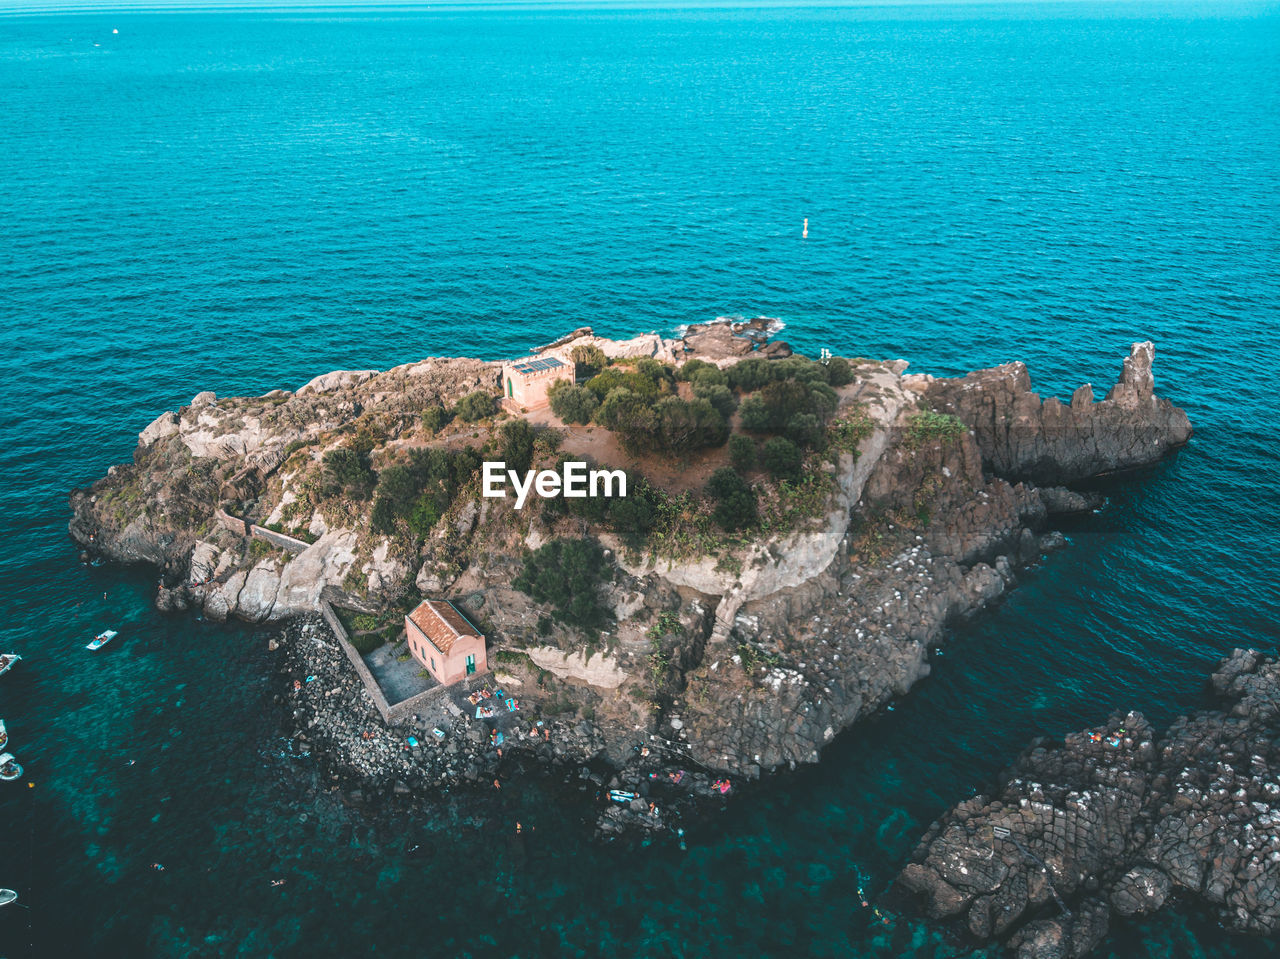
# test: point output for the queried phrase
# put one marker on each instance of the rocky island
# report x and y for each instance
(797, 535)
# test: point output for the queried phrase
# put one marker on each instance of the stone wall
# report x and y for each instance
(243, 527)
(229, 522)
(289, 543)
(366, 677)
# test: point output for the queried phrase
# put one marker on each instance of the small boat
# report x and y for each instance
(7, 896)
(102, 639)
(622, 796)
(9, 768)
(4, 735)
(6, 661)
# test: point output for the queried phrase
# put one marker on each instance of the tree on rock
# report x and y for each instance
(735, 500)
(566, 573)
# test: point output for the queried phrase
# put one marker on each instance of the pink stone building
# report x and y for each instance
(525, 382)
(444, 641)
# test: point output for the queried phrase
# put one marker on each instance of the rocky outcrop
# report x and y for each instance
(601, 671)
(646, 345)
(1118, 820)
(1050, 443)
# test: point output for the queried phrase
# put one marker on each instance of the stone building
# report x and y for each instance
(444, 641)
(525, 382)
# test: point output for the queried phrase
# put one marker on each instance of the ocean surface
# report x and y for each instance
(238, 201)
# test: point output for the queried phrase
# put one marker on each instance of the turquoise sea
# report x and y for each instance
(238, 201)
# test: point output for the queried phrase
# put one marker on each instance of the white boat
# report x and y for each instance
(7, 896)
(102, 639)
(6, 661)
(4, 735)
(9, 768)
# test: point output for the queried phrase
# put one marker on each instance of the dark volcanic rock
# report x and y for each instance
(1049, 443)
(1111, 809)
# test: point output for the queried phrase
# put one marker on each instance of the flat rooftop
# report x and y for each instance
(537, 364)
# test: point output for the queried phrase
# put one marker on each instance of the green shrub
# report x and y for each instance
(348, 471)
(804, 429)
(927, 426)
(591, 358)
(566, 573)
(634, 515)
(735, 500)
(742, 452)
(547, 443)
(719, 396)
(573, 404)
(705, 375)
(782, 458)
(839, 372)
(515, 445)
(684, 427)
(382, 519)
(435, 418)
(477, 406)
(691, 369)
(750, 374)
(399, 486)
(631, 416)
(667, 623)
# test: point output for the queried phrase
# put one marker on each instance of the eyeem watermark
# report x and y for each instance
(575, 482)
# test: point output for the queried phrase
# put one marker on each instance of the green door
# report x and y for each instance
(471, 665)
(510, 390)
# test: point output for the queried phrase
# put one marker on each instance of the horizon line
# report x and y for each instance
(389, 6)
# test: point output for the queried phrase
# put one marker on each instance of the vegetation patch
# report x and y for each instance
(928, 426)
(566, 574)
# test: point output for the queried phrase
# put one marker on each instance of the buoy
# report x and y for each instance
(804, 235)
(115, 31)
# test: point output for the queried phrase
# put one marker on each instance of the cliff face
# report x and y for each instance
(1117, 820)
(740, 662)
(1049, 443)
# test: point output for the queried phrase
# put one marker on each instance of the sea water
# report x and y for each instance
(238, 201)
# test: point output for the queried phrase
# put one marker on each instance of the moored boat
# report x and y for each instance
(6, 661)
(4, 735)
(9, 768)
(7, 896)
(102, 639)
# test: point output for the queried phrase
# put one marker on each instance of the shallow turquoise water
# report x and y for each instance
(239, 201)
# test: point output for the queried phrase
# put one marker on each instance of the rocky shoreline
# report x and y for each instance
(716, 668)
(328, 715)
(1118, 821)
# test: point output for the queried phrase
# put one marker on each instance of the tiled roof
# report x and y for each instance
(442, 623)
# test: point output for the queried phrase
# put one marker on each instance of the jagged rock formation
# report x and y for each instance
(1116, 819)
(1048, 443)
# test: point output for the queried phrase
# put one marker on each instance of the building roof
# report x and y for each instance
(537, 364)
(442, 623)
